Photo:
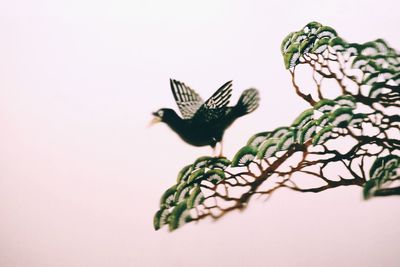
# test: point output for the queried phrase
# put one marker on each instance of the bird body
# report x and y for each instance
(204, 123)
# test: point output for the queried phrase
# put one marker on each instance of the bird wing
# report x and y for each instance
(213, 108)
(187, 99)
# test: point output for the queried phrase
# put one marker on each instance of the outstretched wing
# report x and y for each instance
(214, 107)
(187, 99)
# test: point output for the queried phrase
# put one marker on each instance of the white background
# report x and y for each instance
(81, 175)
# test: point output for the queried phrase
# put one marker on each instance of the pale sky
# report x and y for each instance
(81, 174)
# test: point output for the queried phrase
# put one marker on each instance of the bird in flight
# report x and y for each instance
(204, 123)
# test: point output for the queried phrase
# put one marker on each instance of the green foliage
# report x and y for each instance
(268, 148)
(179, 216)
(383, 173)
(370, 57)
(341, 117)
(186, 195)
(286, 141)
(196, 176)
(323, 135)
(168, 199)
(365, 112)
(161, 218)
(307, 132)
(325, 105)
(215, 176)
(244, 156)
(184, 173)
(305, 117)
(257, 139)
(196, 198)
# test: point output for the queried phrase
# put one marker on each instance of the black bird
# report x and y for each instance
(204, 123)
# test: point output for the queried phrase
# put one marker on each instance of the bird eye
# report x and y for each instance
(160, 113)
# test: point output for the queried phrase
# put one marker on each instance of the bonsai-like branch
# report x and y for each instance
(346, 133)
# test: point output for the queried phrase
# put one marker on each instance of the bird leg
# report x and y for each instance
(214, 150)
(221, 149)
(214, 147)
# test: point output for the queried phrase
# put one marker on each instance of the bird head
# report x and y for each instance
(161, 115)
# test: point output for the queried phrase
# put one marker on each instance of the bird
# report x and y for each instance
(203, 123)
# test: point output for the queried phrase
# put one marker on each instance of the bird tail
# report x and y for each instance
(248, 102)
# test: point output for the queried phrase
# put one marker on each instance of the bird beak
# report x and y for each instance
(154, 121)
